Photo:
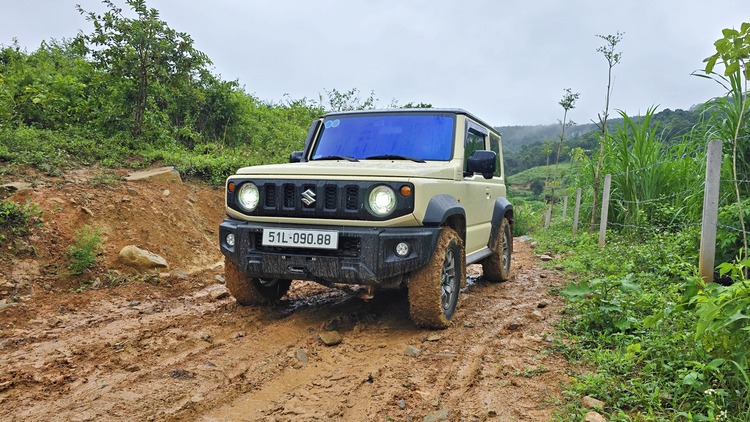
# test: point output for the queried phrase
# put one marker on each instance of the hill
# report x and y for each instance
(524, 145)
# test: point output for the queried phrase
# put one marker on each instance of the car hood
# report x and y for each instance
(368, 168)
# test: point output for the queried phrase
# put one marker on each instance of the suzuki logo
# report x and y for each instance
(308, 197)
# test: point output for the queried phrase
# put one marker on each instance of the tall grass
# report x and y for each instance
(654, 185)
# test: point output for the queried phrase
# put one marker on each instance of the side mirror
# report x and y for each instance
(296, 156)
(483, 162)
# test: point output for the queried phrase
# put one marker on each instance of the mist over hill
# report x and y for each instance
(515, 137)
(523, 145)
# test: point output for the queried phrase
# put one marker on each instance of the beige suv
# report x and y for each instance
(377, 200)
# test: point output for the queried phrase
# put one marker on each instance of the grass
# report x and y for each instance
(540, 173)
(85, 249)
(17, 219)
(630, 318)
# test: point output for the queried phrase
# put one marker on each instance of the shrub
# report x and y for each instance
(16, 220)
(87, 245)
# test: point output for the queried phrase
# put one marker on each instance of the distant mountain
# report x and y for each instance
(515, 137)
(522, 145)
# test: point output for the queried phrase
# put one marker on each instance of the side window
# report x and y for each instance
(495, 146)
(474, 141)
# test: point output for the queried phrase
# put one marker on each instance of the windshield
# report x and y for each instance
(417, 136)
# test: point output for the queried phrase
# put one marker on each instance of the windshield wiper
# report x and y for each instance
(336, 157)
(393, 157)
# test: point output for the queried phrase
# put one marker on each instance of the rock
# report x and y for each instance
(141, 259)
(330, 338)
(541, 305)
(167, 174)
(87, 211)
(514, 326)
(402, 404)
(24, 271)
(166, 192)
(543, 275)
(538, 315)
(4, 306)
(434, 337)
(468, 324)
(56, 200)
(559, 267)
(133, 303)
(302, 355)
(220, 279)
(440, 415)
(16, 186)
(446, 355)
(589, 402)
(125, 199)
(545, 258)
(331, 325)
(594, 417)
(412, 351)
(533, 244)
(219, 292)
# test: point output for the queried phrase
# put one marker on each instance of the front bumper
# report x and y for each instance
(365, 256)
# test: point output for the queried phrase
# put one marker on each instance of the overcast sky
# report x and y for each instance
(507, 62)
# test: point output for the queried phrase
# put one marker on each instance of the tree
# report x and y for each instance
(547, 147)
(348, 101)
(151, 67)
(568, 102)
(733, 51)
(613, 58)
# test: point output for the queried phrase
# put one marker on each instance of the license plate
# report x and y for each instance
(301, 238)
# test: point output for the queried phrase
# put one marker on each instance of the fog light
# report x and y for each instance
(402, 249)
(230, 239)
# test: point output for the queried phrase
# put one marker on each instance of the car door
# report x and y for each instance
(478, 201)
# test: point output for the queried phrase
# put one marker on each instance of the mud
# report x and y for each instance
(177, 347)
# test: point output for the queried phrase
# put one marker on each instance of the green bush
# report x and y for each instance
(86, 247)
(662, 346)
(16, 219)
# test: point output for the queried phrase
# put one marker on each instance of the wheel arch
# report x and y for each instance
(502, 209)
(444, 210)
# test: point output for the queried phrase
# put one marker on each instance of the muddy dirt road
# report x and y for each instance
(179, 348)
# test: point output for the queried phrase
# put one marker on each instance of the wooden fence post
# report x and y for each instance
(576, 210)
(605, 210)
(710, 212)
(565, 207)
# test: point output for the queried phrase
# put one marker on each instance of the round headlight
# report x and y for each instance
(248, 196)
(382, 201)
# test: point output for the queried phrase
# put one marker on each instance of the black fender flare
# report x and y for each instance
(502, 209)
(443, 207)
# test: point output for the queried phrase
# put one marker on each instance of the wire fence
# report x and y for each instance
(688, 207)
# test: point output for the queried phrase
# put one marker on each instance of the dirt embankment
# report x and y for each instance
(178, 348)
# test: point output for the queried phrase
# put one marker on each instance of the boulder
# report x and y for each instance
(141, 259)
(16, 186)
(594, 417)
(167, 174)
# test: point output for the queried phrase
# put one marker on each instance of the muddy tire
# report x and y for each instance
(434, 289)
(496, 267)
(253, 291)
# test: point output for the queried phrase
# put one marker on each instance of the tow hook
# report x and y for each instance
(367, 293)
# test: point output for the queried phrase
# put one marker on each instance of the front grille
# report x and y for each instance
(331, 197)
(352, 198)
(270, 192)
(289, 196)
(320, 199)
